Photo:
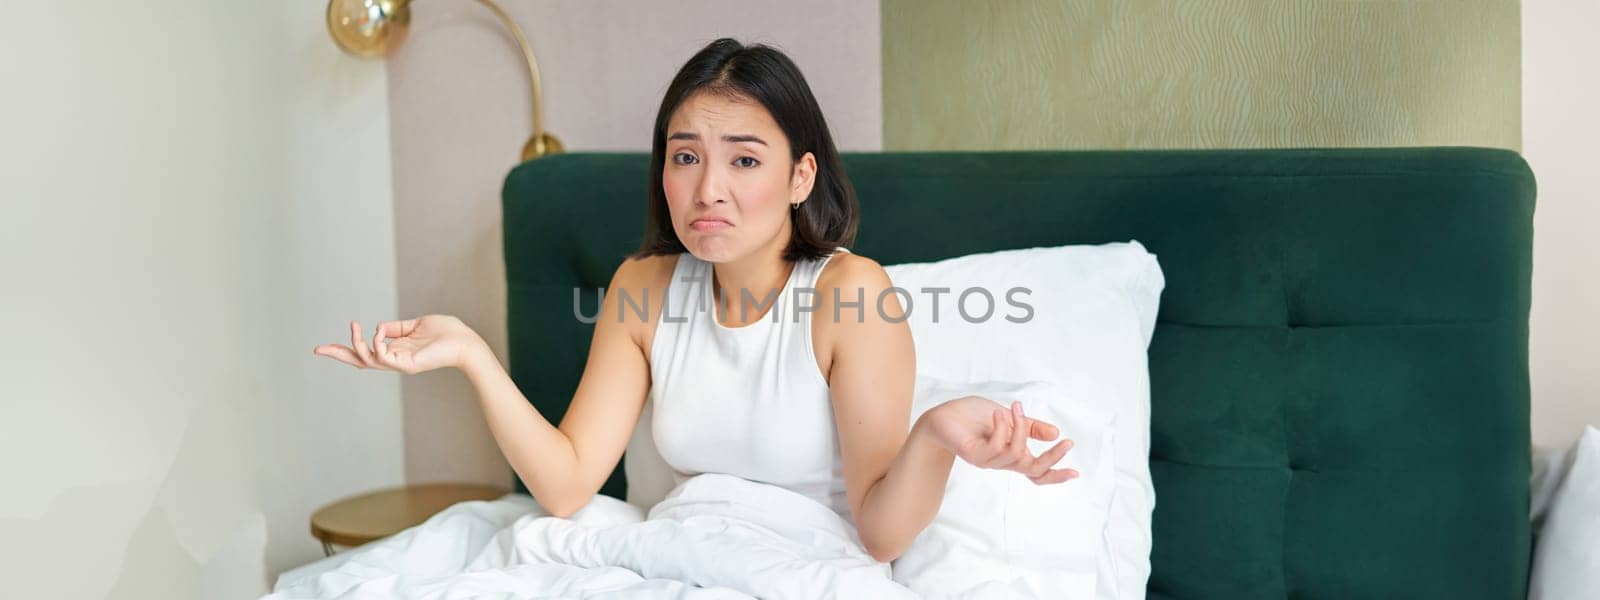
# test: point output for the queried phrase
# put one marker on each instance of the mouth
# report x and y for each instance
(709, 224)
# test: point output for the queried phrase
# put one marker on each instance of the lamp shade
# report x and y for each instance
(368, 28)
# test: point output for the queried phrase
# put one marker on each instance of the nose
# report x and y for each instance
(710, 190)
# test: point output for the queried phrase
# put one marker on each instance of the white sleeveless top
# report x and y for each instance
(745, 401)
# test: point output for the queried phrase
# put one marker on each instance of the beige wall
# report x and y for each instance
(196, 194)
(1559, 129)
(458, 102)
(1012, 74)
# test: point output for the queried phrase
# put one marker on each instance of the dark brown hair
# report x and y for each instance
(829, 216)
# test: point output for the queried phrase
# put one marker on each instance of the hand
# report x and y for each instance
(421, 344)
(987, 435)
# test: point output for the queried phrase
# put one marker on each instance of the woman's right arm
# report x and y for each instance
(563, 467)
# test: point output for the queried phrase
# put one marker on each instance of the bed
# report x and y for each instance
(1338, 374)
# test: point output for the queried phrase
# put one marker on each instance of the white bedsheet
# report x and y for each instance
(715, 536)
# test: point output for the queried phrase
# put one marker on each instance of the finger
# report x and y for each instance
(1019, 434)
(1050, 458)
(997, 436)
(1055, 476)
(394, 329)
(1008, 455)
(1043, 431)
(380, 350)
(360, 345)
(1020, 458)
(339, 353)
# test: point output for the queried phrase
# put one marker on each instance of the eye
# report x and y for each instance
(679, 155)
(753, 162)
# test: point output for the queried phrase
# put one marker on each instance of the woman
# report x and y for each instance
(748, 206)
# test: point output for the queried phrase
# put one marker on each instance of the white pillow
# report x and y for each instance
(1566, 557)
(998, 534)
(1093, 312)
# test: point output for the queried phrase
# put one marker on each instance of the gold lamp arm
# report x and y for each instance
(369, 28)
(540, 143)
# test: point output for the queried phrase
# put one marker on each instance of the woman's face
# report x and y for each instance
(728, 178)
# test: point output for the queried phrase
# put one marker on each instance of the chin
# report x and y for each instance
(714, 249)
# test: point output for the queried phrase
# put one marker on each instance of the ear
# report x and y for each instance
(805, 175)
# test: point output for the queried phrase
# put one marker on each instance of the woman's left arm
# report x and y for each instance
(895, 479)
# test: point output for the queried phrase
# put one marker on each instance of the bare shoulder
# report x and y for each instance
(637, 296)
(848, 272)
(857, 310)
(856, 284)
(648, 272)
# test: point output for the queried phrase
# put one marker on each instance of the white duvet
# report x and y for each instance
(715, 536)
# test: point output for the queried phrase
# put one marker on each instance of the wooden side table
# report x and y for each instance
(360, 519)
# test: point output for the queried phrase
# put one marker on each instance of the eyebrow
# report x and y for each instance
(684, 135)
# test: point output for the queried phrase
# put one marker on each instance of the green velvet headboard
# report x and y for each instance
(1339, 375)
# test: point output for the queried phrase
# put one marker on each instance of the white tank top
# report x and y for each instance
(745, 401)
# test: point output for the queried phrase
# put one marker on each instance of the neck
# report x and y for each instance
(762, 272)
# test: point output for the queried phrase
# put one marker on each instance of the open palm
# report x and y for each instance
(983, 433)
(412, 346)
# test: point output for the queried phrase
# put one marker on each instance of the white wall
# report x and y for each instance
(1560, 129)
(195, 193)
(339, 264)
